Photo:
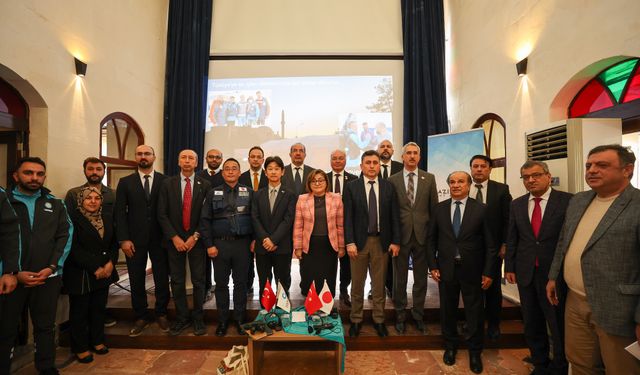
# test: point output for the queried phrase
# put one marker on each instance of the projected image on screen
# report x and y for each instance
(352, 113)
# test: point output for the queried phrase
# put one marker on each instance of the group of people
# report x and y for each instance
(242, 111)
(575, 259)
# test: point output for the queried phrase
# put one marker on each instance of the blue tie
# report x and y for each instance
(457, 220)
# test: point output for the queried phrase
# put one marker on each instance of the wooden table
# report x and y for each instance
(256, 348)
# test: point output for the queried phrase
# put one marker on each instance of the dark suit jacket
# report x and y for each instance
(610, 261)
(108, 198)
(246, 178)
(356, 214)
(288, 181)
(498, 203)
(348, 177)
(523, 247)
(278, 226)
(215, 180)
(170, 206)
(415, 219)
(89, 252)
(473, 242)
(137, 219)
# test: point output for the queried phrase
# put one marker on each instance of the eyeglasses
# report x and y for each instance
(319, 181)
(534, 176)
(144, 153)
(231, 169)
(214, 156)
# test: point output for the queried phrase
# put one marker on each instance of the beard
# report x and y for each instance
(32, 187)
(385, 155)
(144, 163)
(94, 179)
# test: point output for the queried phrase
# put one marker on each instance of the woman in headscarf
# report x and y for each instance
(88, 272)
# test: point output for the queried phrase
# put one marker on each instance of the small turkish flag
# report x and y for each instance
(312, 303)
(268, 298)
(326, 298)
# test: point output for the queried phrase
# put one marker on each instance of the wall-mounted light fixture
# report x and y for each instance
(521, 67)
(81, 68)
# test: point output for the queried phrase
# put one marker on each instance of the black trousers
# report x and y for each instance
(493, 299)
(251, 272)
(270, 264)
(86, 315)
(137, 268)
(42, 302)
(472, 299)
(178, 267)
(208, 267)
(345, 273)
(232, 260)
(320, 264)
(537, 314)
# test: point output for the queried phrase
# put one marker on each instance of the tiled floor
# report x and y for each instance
(405, 362)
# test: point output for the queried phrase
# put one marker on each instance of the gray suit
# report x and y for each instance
(610, 262)
(414, 220)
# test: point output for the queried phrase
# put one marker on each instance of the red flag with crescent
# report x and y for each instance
(312, 303)
(268, 298)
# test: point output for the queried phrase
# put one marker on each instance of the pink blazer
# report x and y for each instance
(305, 215)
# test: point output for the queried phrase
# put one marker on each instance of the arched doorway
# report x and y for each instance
(14, 130)
(494, 143)
(120, 134)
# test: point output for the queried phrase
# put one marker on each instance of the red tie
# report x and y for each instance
(536, 219)
(186, 206)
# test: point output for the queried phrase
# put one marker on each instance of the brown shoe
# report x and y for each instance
(163, 323)
(138, 327)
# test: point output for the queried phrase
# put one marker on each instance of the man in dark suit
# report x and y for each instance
(211, 173)
(256, 179)
(388, 167)
(139, 234)
(534, 227)
(497, 198)
(296, 173)
(338, 178)
(179, 206)
(461, 258)
(272, 214)
(417, 196)
(369, 240)
(94, 170)
(598, 257)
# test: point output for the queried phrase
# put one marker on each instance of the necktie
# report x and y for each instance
(255, 181)
(373, 210)
(336, 186)
(147, 186)
(385, 173)
(298, 181)
(186, 205)
(536, 219)
(212, 173)
(411, 188)
(457, 218)
(272, 198)
(479, 196)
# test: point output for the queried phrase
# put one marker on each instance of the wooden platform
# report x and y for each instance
(153, 338)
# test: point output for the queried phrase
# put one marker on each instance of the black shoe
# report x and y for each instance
(449, 357)
(87, 359)
(419, 326)
(370, 295)
(102, 351)
(222, 329)
(109, 321)
(354, 330)
(475, 363)
(493, 334)
(239, 329)
(199, 328)
(178, 327)
(400, 327)
(381, 329)
(344, 298)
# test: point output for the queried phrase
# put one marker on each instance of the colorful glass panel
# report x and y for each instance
(593, 97)
(633, 92)
(616, 77)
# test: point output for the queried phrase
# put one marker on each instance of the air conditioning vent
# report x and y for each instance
(548, 144)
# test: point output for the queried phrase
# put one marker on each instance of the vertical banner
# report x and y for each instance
(452, 152)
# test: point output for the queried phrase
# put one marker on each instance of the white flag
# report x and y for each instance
(326, 298)
(283, 300)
